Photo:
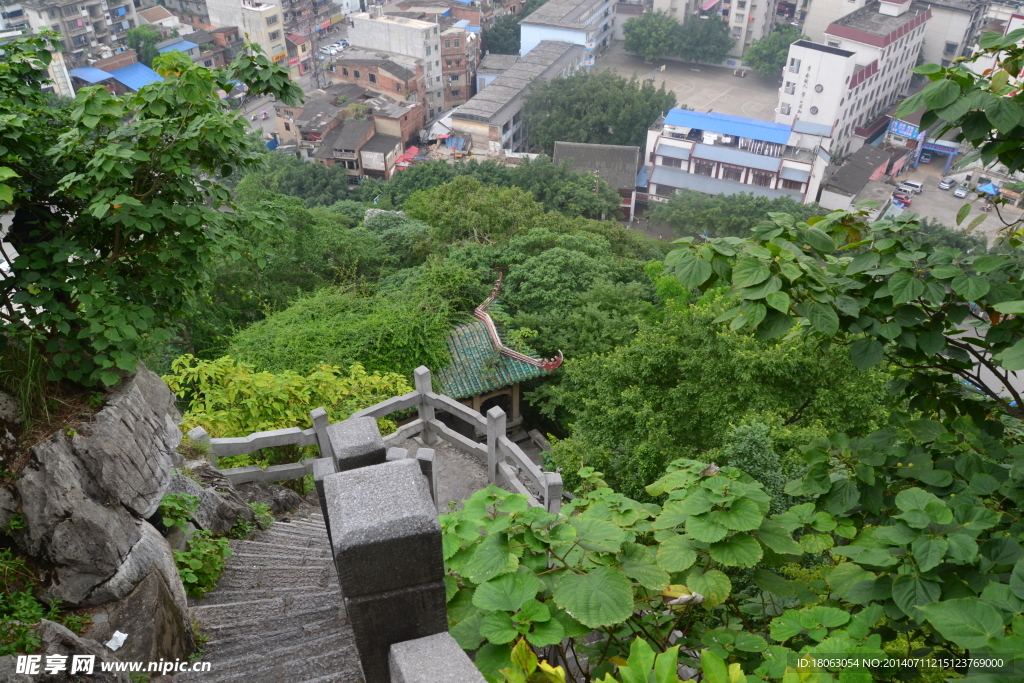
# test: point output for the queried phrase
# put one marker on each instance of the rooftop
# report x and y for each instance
(382, 144)
(810, 45)
(725, 124)
(477, 367)
(543, 61)
(616, 164)
(868, 26)
(347, 136)
(391, 19)
(563, 13)
(851, 177)
(179, 45)
(133, 76)
(379, 60)
(680, 179)
(155, 14)
(496, 64)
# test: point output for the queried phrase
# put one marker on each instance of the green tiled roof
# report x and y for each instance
(477, 367)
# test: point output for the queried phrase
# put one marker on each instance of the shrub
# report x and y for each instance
(202, 564)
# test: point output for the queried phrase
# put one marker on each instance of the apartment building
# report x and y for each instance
(192, 12)
(395, 75)
(861, 71)
(720, 154)
(420, 40)
(951, 32)
(88, 30)
(260, 20)
(460, 56)
(491, 121)
(588, 23)
(748, 20)
(12, 17)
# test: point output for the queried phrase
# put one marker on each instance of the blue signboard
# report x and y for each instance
(907, 130)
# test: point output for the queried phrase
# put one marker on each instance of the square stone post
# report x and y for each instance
(553, 491)
(386, 541)
(425, 410)
(323, 467)
(356, 442)
(320, 425)
(434, 659)
(425, 457)
(495, 430)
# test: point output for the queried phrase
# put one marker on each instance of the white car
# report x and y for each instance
(329, 50)
(960, 192)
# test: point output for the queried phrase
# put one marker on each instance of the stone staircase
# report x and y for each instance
(277, 615)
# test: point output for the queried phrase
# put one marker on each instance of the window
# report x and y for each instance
(458, 62)
(428, 50)
(271, 20)
(344, 71)
(274, 35)
(761, 178)
(287, 126)
(701, 167)
(946, 62)
(671, 163)
(437, 79)
(448, 63)
(207, 62)
(732, 172)
(456, 42)
(431, 114)
(792, 184)
(739, 18)
(663, 191)
(785, 108)
(794, 65)
(447, 43)
(372, 77)
(833, 43)
(398, 87)
(950, 48)
(455, 92)
(790, 88)
(737, 31)
(454, 78)
(355, 73)
(435, 30)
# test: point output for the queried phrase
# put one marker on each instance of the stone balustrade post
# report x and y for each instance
(434, 659)
(425, 458)
(320, 425)
(495, 429)
(386, 543)
(425, 410)
(553, 491)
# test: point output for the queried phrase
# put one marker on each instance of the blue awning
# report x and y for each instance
(679, 179)
(672, 151)
(989, 188)
(90, 74)
(737, 157)
(730, 125)
(136, 76)
(643, 176)
(794, 174)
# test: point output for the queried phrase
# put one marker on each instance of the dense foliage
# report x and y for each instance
(768, 55)
(143, 39)
(696, 214)
(119, 211)
(598, 107)
(699, 39)
(651, 35)
(503, 37)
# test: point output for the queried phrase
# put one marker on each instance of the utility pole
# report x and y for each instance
(311, 27)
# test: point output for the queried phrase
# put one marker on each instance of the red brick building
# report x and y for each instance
(460, 56)
(398, 81)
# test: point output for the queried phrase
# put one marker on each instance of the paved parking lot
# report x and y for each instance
(942, 206)
(699, 86)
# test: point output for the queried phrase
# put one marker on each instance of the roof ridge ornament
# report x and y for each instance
(480, 313)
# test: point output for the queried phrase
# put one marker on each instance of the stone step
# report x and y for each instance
(214, 615)
(325, 612)
(281, 556)
(220, 596)
(301, 528)
(311, 657)
(239, 577)
(260, 547)
(341, 677)
(291, 537)
(234, 642)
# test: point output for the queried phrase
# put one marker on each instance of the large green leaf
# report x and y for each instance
(819, 240)
(743, 515)
(491, 558)
(866, 353)
(507, 592)
(491, 659)
(1003, 113)
(639, 564)
(598, 534)
(712, 584)
(939, 94)
(929, 551)
(822, 317)
(497, 628)
(865, 261)
(676, 555)
(968, 622)
(1012, 359)
(693, 272)
(739, 550)
(1017, 579)
(910, 592)
(546, 633)
(970, 288)
(961, 548)
(775, 584)
(749, 272)
(775, 536)
(705, 528)
(467, 632)
(904, 287)
(816, 543)
(598, 598)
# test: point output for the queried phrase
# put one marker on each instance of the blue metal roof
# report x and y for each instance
(136, 76)
(811, 128)
(672, 151)
(730, 125)
(461, 23)
(737, 157)
(794, 174)
(643, 176)
(181, 45)
(90, 74)
(679, 179)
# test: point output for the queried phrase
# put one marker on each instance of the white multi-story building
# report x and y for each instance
(414, 38)
(749, 20)
(861, 71)
(12, 17)
(951, 32)
(260, 21)
(590, 23)
(721, 154)
(88, 30)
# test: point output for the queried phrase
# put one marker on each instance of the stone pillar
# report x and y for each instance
(425, 457)
(323, 467)
(426, 411)
(495, 430)
(320, 425)
(356, 442)
(434, 659)
(386, 541)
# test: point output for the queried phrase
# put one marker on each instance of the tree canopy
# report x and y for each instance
(704, 40)
(598, 107)
(119, 205)
(768, 55)
(503, 37)
(696, 214)
(651, 35)
(143, 39)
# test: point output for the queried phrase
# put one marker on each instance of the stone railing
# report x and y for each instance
(507, 465)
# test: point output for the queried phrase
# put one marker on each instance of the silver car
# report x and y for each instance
(947, 184)
(961, 191)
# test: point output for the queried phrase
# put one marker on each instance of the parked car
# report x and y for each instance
(926, 157)
(961, 191)
(329, 50)
(903, 197)
(910, 187)
(947, 184)
(344, 43)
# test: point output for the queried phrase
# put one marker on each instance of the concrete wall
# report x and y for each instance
(948, 26)
(531, 36)
(830, 72)
(821, 13)
(409, 37)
